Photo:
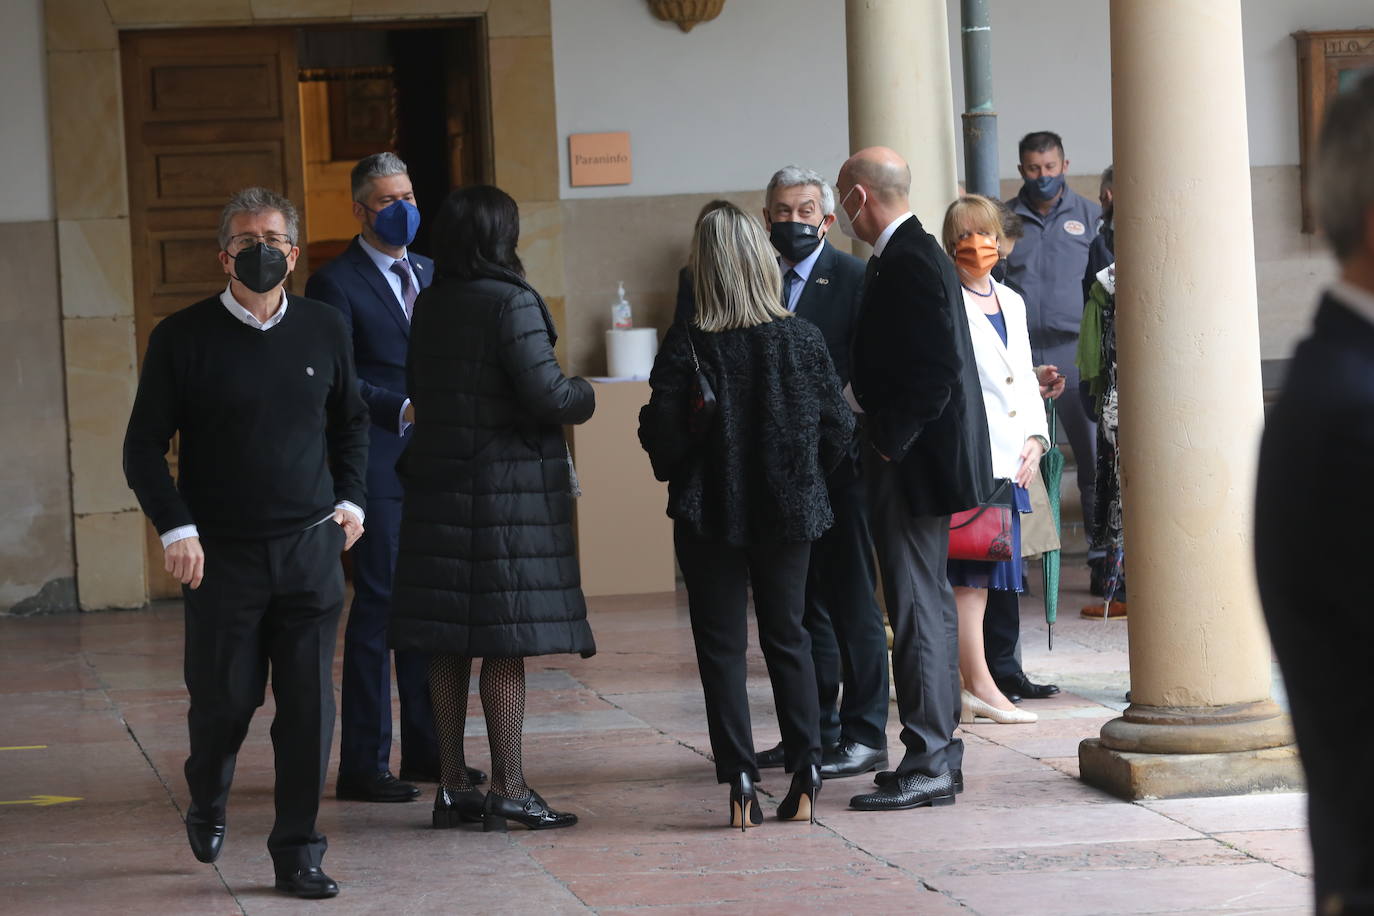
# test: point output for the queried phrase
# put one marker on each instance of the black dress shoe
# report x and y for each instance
(772, 758)
(533, 812)
(850, 758)
(381, 787)
(1020, 687)
(431, 774)
(915, 790)
(886, 777)
(308, 884)
(452, 808)
(206, 835)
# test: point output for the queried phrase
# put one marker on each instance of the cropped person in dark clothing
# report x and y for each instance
(748, 495)
(260, 385)
(487, 567)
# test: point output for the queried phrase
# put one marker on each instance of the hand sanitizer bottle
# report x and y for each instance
(621, 317)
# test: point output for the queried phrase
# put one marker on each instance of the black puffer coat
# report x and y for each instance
(487, 565)
(781, 425)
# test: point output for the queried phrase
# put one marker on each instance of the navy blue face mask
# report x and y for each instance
(397, 223)
(1046, 187)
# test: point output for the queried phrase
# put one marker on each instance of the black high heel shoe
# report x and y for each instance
(532, 812)
(800, 803)
(453, 808)
(744, 804)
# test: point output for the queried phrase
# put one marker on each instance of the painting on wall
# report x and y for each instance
(1329, 63)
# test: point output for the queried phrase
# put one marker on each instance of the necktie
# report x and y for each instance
(408, 292)
(789, 280)
(869, 271)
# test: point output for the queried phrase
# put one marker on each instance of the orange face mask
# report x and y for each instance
(977, 254)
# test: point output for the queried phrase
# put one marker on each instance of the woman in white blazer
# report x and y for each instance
(1016, 431)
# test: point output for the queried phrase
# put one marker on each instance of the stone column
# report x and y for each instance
(900, 93)
(1201, 721)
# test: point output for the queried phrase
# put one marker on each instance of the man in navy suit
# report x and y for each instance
(374, 284)
(1314, 506)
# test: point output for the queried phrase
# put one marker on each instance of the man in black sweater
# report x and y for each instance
(270, 488)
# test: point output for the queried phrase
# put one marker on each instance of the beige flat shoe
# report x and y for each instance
(971, 708)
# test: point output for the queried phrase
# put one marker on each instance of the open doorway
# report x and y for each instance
(210, 111)
(418, 92)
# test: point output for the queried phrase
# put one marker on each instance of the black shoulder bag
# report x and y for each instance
(701, 398)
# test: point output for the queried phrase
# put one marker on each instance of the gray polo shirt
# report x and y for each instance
(1048, 264)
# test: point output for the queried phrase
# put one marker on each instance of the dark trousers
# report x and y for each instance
(1077, 420)
(717, 578)
(848, 642)
(1321, 634)
(365, 716)
(912, 552)
(266, 605)
(1002, 633)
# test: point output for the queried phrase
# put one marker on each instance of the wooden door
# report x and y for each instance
(207, 112)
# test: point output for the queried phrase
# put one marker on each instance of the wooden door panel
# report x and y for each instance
(207, 112)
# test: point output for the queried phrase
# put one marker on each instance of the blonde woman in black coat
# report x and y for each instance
(487, 568)
(748, 496)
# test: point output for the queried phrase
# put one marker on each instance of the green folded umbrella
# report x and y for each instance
(1052, 470)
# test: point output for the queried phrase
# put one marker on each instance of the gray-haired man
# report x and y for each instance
(259, 384)
(848, 641)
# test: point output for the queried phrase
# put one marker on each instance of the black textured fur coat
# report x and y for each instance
(781, 425)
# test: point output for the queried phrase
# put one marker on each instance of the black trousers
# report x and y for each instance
(912, 552)
(848, 642)
(1002, 633)
(365, 694)
(717, 578)
(266, 605)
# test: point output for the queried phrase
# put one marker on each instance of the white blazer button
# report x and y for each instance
(1012, 414)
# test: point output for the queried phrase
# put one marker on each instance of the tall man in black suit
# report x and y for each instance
(1315, 464)
(927, 456)
(374, 284)
(270, 487)
(824, 286)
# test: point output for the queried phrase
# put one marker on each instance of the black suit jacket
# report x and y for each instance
(914, 373)
(1313, 488)
(381, 336)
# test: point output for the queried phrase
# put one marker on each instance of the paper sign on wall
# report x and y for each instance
(599, 159)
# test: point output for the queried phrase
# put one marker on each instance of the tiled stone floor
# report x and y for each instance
(621, 740)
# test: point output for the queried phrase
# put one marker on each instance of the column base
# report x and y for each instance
(1135, 776)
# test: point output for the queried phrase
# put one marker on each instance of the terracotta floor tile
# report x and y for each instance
(1289, 849)
(1206, 888)
(1278, 811)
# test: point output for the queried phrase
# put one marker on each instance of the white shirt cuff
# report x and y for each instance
(350, 508)
(853, 402)
(179, 534)
(401, 423)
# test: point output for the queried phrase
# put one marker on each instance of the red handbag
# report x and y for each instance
(983, 532)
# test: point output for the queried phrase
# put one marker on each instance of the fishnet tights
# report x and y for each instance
(502, 687)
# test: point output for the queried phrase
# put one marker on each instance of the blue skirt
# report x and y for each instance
(1004, 575)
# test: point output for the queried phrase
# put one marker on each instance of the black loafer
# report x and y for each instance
(453, 808)
(431, 774)
(533, 812)
(308, 884)
(380, 787)
(915, 790)
(206, 835)
(886, 777)
(771, 759)
(1021, 687)
(850, 758)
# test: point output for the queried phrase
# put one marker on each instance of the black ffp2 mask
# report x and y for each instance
(260, 268)
(795, 241)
